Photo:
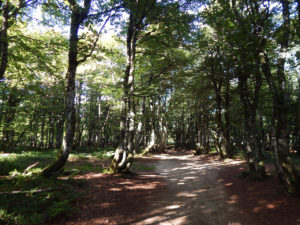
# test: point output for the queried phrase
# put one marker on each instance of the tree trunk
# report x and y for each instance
(59, 133)
(124, 153)
(200, 128)
(4, 40)
(8, 130)
(162, 127)
(78, 15)
(102, 127)
(151, 144)
(228, 144)
(286, 171)
(249, 115)
(139, 137)
(78, 115)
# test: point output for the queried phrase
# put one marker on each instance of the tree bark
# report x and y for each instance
(4, 40)
(286, 171)
(152, 138)
(8, 130)
(138, 137)
(124, 153)
(78, 16)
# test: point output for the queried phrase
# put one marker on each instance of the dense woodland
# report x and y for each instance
(206, 75)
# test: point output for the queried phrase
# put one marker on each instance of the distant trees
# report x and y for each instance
(244, 60)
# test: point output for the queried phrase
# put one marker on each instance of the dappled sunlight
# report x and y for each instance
(115, 189)
(181, 190)
(173, 207)
(265, 206)
(187, 194)
(197, 195)
(233, 199)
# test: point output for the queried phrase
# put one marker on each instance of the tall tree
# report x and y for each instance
(138, 11)
(278, 85)
(78, 16)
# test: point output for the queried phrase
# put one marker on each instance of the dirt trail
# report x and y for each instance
(193, 193)
(184, 189)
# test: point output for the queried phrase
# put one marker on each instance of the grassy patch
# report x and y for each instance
(20, 161)
(29, 200)
(92, 153)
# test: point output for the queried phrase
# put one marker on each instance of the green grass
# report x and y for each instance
(38, 199)
(29, 199)
(92, 153)
(21, 160)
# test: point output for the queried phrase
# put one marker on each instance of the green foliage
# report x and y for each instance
(36, 200)
(16, 163)
(20, 161)
(27, 198)
(92, 153)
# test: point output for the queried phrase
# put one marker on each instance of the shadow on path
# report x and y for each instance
(193, 193)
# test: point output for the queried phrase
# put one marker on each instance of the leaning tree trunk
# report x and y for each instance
(77, 17)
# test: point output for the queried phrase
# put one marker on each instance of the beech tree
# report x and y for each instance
(79, 15)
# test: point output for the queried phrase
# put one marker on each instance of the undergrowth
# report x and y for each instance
(31, 199)
(28, 199)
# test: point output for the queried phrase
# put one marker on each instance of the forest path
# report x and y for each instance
(183, 189)
(193, 194)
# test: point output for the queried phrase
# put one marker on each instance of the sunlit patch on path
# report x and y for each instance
(193, 194)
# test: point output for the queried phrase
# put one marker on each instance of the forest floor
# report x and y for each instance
(179, 188)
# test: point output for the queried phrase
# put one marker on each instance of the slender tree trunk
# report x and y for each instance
(78, 15)
(59, 133)
(124, 153)
(42, 130)
(78, 115)
(162, 128)
(4, 40)
(219, 121)
(297, 120)
(248, 113)
(286, 171)
(8, 130)
(200, 128)
(151, 144)
(102, 128)
(228, 144)
(139, 137)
